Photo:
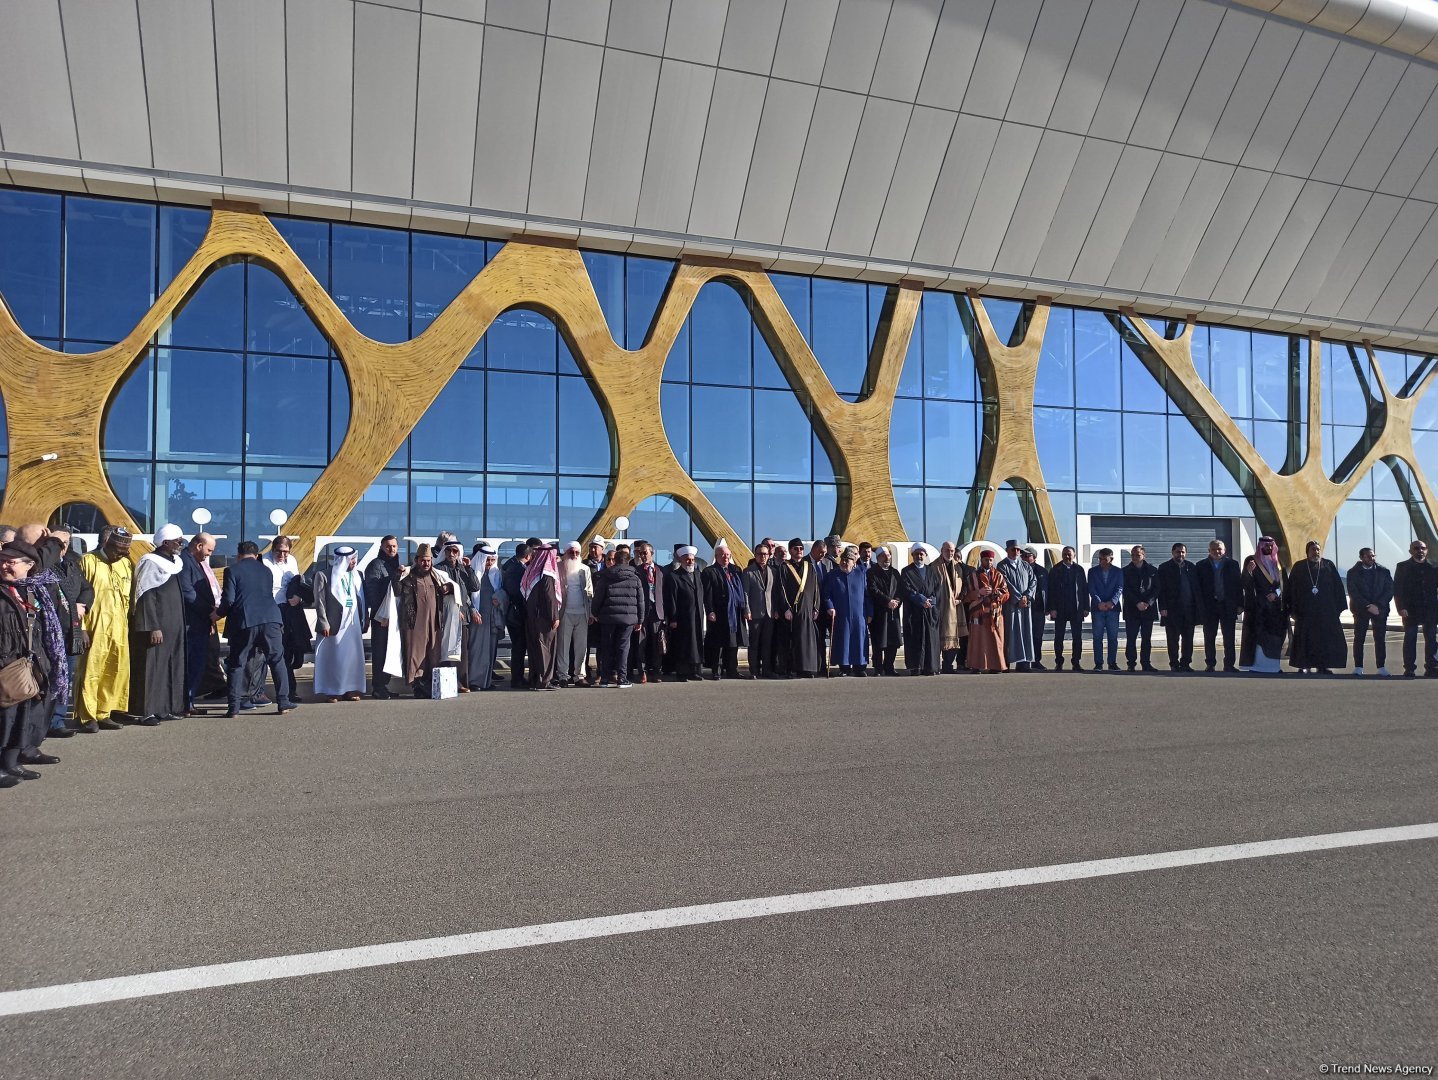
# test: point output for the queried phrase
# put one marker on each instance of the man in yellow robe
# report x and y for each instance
(105, 684)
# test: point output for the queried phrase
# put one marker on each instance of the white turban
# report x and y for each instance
(914, 549)
(168, 532)
(686, 550)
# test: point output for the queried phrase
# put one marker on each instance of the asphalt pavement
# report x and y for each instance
(206, 841)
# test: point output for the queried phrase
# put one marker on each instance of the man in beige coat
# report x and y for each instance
(953, 627)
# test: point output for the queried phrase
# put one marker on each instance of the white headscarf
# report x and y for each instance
(155, 569)
(339, 570)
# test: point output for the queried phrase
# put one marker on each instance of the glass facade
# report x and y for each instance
(239, 402)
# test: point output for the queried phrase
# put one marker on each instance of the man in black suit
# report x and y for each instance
(1066, 596)
(1178, 607)
(200, 597)
(254, 623)
(1415, 597)
(1220, 595)
(515, 620)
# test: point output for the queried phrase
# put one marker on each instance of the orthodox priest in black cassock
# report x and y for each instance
(886, 625)
(157, 668)
(800, 582)
(919, 585)
(1317, 600)
(684, 604)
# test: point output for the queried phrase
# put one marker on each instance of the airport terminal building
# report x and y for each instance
(1079, 271)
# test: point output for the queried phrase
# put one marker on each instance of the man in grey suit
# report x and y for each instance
(491, 604)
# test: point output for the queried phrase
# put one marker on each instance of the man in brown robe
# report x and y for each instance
(421, 618)
(540, 590)
(984, 600)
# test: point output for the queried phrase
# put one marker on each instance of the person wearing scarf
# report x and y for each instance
(421, 621)
(341, 617)
(157, 632)
(984, 600)
(1264, 593)
(1317, 600)
(29, 625)
(489, 603)
(728, 614)
(540, 589)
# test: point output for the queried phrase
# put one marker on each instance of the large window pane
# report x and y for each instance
(906, 441)
(1054, 434)
(782, 437)
(944, 510)
(522, 506)
(129, 418)
(180, 490)
(521, 340)
(30, 260)
(910, 501)
(442, 267)
(1190, 469)
(1273, 376)
(130, 481)
(580, 499)
(662, 521)
(841, 332)
(269, 488)
(1100, 451)
(1141, 391)
(606, 274)
(109, 267)
(720, 339)
(451, 433)
(645, 282)
(721, 440)
(826, 512)
(278, 322)
(371, 280)
(1230, 369)
(198, 405)
(583, 435)
(781, 511)
(950, 443)
(521, 423)
(1096, 361)
(674, 405)
(793, 290)
(383, 509)
(1348, 381)
(1054, 384)
(214, 315)
(286, 419)
(1145, 458)
(949, 370)
(735, 504)
(453, 501)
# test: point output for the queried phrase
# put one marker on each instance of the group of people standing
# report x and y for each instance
(97, 641)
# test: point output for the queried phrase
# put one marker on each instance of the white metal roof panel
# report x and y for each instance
(907, 38)
(180, 89)
(871, 172)
(676, 139)
(827, 151)
(387, 59)
(319, 43)
(733, 125)
(950, 62)
(568, 94)
(447, 109)
(925, 142)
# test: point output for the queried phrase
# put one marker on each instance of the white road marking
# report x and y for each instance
(71, 995)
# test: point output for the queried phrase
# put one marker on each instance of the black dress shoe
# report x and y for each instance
(60, 733)
(107, 725)
(87, 729)
(6, 780)
(19, 772)
(149, 721)
(37, 758)
(231, 715)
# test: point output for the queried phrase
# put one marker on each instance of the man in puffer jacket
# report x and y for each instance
(619, 608)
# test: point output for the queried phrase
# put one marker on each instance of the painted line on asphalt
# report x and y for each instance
(71, 995)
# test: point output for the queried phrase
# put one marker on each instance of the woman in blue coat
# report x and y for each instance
(846, 600)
